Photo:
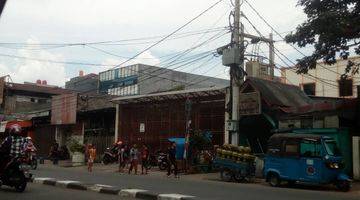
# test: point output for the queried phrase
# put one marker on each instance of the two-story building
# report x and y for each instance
(325, 80)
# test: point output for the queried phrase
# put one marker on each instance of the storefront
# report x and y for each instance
(152, 119)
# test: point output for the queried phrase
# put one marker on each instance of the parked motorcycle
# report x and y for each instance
(16, 174)
(110, 155)
(162, 161)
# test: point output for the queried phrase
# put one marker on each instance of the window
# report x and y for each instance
(309, 89)
(291, 148)
(331, 148)
(310, 148)
(345, 87)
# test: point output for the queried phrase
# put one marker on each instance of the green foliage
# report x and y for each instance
(199, 142)
(333, 27)
(75, 146)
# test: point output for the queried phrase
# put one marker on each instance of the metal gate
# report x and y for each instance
(101, 142)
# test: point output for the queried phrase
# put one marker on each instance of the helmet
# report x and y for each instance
(15, 129)
(28, 138)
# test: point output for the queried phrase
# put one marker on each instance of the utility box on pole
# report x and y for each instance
(231, 57)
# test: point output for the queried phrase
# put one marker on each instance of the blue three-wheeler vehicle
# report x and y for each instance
(304, 158)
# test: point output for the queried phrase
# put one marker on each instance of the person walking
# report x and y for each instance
(171, 157)
(144, 159)
(92, 156)
(123, 157)
(54, 153)
(134, 159)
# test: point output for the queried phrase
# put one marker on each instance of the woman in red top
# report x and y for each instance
(144, 159)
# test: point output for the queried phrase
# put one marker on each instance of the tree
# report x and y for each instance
(333, 27)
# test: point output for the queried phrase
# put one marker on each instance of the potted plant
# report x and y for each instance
(78, 151)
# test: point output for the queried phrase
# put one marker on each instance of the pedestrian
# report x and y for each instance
(144, 159)
(91, 156)
(54, 153)
(171, 157)
(134, 159)
(122, 158)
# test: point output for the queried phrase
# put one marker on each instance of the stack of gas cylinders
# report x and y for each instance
(235, 153)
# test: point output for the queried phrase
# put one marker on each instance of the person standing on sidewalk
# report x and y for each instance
(134, 159)
(92, 156)
(144, 159)
(122, 158)
(171, 157)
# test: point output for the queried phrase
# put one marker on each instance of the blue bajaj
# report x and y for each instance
(304, 158)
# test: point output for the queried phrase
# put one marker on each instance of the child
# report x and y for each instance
(92, 156)
(144, 159)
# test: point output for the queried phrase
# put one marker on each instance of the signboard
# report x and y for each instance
(249, 104)
(63, 109)
(142, 128)
(2, 87)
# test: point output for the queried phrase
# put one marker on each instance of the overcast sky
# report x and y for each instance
(35, 22)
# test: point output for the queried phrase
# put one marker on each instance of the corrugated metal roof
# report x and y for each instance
(37, 88)
(279, 94)
(173, 95)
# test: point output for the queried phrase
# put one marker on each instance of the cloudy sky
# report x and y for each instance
(37, 37)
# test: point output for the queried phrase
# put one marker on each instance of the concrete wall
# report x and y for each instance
(82, 84)
(154, 79)
(329, 89)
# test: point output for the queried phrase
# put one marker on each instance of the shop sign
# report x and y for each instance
(142, 127)
(249, 104)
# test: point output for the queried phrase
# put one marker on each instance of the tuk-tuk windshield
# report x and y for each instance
(331, 148)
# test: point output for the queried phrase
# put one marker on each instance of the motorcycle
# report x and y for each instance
(162, 161)
(31, 158)
(110, 155)
(16, 174)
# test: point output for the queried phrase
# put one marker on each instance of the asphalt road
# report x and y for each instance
(43, 192)
(201, 189)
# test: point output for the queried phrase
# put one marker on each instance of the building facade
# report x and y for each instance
(83, 83)
(144, 79)
(325, 80)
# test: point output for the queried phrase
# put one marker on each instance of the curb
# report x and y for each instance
(111, 190)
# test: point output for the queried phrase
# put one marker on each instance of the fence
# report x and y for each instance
(101, 142)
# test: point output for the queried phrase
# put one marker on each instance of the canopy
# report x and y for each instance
(6, 124)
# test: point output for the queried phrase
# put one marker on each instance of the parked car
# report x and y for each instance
(304, 158)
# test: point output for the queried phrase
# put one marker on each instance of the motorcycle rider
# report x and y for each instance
(29, 147)
(13, 145)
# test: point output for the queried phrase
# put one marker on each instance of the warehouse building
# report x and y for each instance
(145, 79)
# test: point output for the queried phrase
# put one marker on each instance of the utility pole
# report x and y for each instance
(236, 81)
(271, 56)
(233, 56)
